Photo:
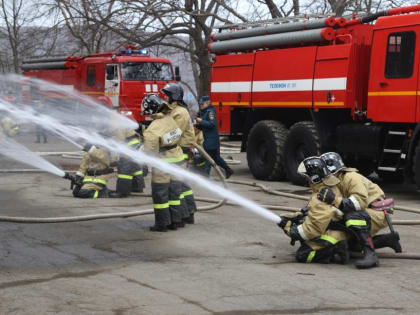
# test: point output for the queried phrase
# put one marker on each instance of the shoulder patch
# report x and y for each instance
(211, 115)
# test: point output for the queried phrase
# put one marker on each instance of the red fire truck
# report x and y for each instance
(292, 90)
(117, 79)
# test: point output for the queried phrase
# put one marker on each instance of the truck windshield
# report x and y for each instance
(146, 71)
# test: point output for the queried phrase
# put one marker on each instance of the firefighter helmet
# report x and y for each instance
(174, 91)
(314, 168)
(334, 161)
(152, 104)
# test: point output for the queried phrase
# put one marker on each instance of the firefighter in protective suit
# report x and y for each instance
(93, 174)
(130, 174)
(173, 94)
(8, 127)
(358, 199)
(161, 138)
(319, 243)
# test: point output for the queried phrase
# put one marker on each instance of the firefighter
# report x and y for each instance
(40, 108)
(162, 138)
(8, 127)
(93, 173)
(358, 204)
(173, 95)
(130, 174)
(319, 244)
(208, 123)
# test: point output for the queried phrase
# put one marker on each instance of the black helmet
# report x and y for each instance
(174, 91)
(334, 161)
(152, 104)
(314, 168)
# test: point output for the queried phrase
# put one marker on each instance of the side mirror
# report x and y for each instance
(177, 75)
(110, 72)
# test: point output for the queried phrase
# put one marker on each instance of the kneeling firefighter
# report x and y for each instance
(92, 177)
(162, 138)
(130, 174)
(8, 127)
(174, 94)
(366, 211)
(319, 244)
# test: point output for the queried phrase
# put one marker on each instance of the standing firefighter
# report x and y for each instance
(93, 174)
(319, 244)
(362, 203)
(162, 138)
(174, 96)
(130, 174)
(207, 122)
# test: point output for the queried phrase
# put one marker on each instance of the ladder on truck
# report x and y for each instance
(394, 153)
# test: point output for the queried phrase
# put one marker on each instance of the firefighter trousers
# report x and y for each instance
(130, 177)
(321, 249)
(80, 192)
(187, 195)
(167, 205)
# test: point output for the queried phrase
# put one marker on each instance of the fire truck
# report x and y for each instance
(117, 79)
(293, 90)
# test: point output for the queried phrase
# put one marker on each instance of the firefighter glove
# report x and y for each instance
(87, 147)
(78, 180)
(327, 195)
(294, 235)
(283, 222)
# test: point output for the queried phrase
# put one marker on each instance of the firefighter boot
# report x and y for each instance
(161, 221)
(190, 219)
(369, 258)
(341, 254)
(391, 240)
(229, 172)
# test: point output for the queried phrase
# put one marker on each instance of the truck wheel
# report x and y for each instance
(416, 165)
(302, 142)
(265, 149)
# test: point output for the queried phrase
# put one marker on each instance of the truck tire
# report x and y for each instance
(265, 150)
(416, 165)
(302, 142)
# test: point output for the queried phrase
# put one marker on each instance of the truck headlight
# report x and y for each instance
(126, 112)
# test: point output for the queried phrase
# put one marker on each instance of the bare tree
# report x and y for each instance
(15, 14)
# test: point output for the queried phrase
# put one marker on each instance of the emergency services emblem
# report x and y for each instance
(211, 115)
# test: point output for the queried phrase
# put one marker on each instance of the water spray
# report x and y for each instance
(68, 126)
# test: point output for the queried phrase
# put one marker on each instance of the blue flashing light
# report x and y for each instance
(142, 52)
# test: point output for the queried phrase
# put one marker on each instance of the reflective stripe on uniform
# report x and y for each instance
(201, 164)
(329, 239)
(181, 196)
(94, 180)
(133, 142)
(174, 202)
(174, 160)
(124, 176)
(311, 256)
(355, 223)
(187, 193)
(138, 173)
(185, 156)
(95, 195)
(161, 205)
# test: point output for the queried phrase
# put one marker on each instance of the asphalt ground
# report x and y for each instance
(230, 262)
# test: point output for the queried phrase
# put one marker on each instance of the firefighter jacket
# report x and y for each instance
(95, 168)
(182, 118)
(8, 127)
(162, 138)
(362, 193)
(209, 126)
(199, 138)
